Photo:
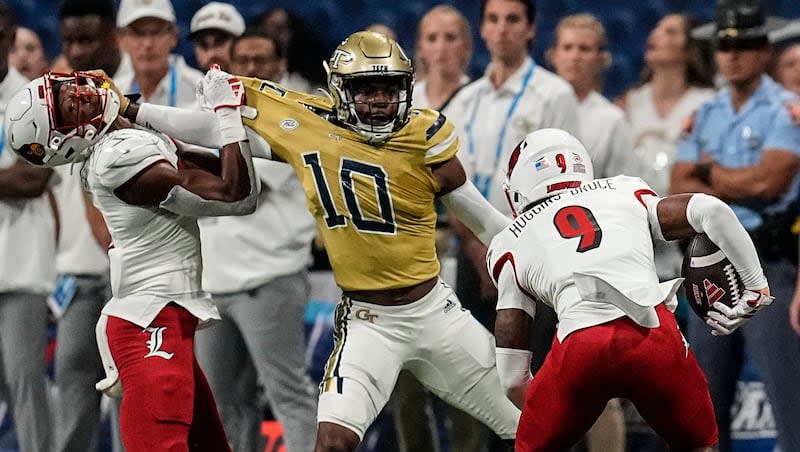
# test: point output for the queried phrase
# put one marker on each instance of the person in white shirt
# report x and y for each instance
(150, 190)
(515, 96)
(255, 267)
(27, 270)
(88, 35)
(584, 246)
(148, 33)
(579, 54)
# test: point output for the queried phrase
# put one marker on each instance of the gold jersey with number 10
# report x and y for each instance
(374, 204)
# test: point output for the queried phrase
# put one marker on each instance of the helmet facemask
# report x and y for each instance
(58, 117)
(77, 119)
(371, 82)
(376, 105)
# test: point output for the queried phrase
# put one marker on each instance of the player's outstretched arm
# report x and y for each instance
(463, 200)
(197, 191)
(198, 127)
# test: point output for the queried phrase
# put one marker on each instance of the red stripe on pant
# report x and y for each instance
(167, 404)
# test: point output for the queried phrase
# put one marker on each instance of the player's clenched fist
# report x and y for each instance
(220, 89)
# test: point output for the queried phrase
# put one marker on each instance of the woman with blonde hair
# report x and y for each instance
(443, 52)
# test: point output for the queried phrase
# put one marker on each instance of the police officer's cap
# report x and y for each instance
(740, 24)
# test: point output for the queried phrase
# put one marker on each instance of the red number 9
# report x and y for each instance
(578, 221)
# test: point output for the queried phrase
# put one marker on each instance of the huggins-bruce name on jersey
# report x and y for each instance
(521, 221)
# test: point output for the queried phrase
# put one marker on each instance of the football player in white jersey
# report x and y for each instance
(584, 246)
(150, 190)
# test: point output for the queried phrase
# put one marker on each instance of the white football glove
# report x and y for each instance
(724, 320)
(219, 89)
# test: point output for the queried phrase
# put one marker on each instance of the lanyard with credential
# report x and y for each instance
(2, 139)
(173, 85)
(483, 181)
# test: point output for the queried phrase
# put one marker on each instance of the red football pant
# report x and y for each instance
(653, 368)
(167, 404)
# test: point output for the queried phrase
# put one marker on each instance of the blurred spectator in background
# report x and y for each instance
(579, 55)
(89, 39)
(27, 55)
(786, 65)
(27, 270)
(88, 36)
(743, 146)
(212, 30)
(147, 32)
(443, 51)
(493, 114)
(258, 53)
(383, 29)
(304, 51)
(676, 79)
(260, 286)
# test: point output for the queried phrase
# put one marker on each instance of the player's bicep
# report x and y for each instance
(670, 216)
(149, 186)
(449, 175)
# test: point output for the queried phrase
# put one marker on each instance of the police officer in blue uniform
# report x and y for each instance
(743, 146)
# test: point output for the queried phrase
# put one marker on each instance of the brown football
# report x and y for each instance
(709, 276)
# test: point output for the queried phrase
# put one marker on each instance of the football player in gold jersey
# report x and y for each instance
(372, 167)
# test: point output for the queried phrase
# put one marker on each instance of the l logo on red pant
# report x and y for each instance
(156, 341)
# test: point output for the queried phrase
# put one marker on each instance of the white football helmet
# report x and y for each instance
(546, 162)
(35, 129)
(366, 54)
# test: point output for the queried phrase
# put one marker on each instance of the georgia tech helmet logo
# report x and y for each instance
(340, 55)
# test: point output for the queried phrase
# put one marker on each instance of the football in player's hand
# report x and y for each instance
(709, 276)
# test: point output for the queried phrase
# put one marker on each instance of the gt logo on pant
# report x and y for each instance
(364, 314)
(155, 342)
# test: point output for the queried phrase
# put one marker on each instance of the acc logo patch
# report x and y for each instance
(793, 107)
(289, 124)
(687, 128)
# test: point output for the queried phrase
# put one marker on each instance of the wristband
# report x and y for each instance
(231, 129)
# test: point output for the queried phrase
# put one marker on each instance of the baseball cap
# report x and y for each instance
(133, 10)
(217, 16)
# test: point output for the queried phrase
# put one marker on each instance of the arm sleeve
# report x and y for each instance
(475, 212)
(192, 126)
(196, 127)
(707, 214)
